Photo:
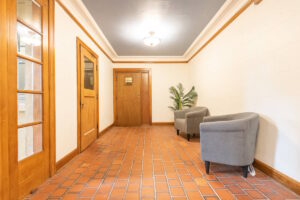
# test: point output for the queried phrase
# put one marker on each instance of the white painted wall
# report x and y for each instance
(254, 66)
(163, 77)
(66, 32)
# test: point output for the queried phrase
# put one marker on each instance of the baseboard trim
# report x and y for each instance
(66, 159)
(162, 123)
(278, 176)
(105, 130)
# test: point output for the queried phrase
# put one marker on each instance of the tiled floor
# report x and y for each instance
(152, 163)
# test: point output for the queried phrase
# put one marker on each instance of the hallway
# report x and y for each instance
(152, 162)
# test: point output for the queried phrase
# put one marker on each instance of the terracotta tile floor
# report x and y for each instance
(152, 163)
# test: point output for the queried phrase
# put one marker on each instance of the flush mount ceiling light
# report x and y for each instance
(151, 40)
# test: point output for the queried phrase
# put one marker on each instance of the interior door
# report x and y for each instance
(32, 94)
(89, 102)
(128, 98)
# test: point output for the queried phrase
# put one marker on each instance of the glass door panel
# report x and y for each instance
(88, 74)
(29, 72)
(29, 12)
(29, 108)
(30, 141)
(29, 75)
(29, 42)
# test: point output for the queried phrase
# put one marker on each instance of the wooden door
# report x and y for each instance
(128, 99)
(132, 97)
(88, 98)
(32, 94)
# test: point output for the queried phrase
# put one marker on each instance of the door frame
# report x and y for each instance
(80, 43)
(131, 70)
(8, 98)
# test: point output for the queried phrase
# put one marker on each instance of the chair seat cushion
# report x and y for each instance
(180, 124)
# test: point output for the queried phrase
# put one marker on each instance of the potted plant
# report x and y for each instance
(181, 100)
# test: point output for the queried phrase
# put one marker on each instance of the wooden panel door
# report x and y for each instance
(88, 98)
(32, 94)
(128, 98)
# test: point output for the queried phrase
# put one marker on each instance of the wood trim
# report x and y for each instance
(101, 133)
(150, 62)
(149, 71)
(66, 159)
(29, 124)
(52, 118)
(29, 26)
(278, 176)
(83, 29)
(80, 43)
(30, 59)
(163, 123)
(235, 16)
(29, 92)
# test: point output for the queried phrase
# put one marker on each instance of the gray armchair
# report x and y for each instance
(188, 120)
(229, 139)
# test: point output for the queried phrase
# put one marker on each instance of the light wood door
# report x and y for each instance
(89, 98)
(32, 94)
(128, 99)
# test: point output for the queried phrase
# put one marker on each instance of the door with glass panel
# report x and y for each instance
(89, 98)
(32, 94)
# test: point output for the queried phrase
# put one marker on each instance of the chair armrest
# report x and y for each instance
(197, 113)
(181, 113)
(217, 118)
(224, 126)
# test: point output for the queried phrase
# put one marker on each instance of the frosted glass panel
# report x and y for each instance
(30, 141)
(29, 108)
(88, 74)
(29, 42)
(29, 75)
(30, 12)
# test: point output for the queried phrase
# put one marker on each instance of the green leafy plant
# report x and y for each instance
(181, 100)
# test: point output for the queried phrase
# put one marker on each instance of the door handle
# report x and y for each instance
(82, 105)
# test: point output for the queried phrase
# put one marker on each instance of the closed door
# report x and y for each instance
(132, 98)
(32, 94)
(88, 98)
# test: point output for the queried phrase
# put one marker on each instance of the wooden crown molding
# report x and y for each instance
(180, 59)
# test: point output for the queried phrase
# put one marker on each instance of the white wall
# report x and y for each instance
(253, 65)
(163, 77)
(66, 32)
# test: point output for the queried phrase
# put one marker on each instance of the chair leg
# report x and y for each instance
(245, 171)
(207, 165)
(177, 132)
(188, 136)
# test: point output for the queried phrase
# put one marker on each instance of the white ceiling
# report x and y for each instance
(125, 23)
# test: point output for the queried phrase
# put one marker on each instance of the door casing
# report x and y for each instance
(132, 70)
(81, 44)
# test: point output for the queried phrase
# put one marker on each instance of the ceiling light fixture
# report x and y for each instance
(151, 40)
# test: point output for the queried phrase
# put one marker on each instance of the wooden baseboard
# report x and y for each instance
(66, 159)
(280, 177)
(105, 130)
(162, 123)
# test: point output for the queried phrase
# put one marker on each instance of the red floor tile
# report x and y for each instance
(152, 162)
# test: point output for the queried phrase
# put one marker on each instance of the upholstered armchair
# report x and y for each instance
(188, 120)
(229, 139)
